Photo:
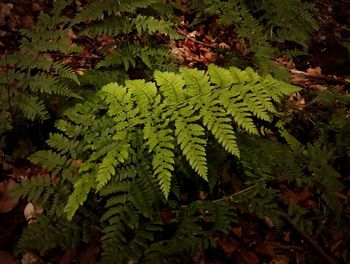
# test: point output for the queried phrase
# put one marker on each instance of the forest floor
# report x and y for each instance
(251, 241)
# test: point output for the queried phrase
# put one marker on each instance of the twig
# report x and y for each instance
(310, 240)
(335, 79)
(193, 39)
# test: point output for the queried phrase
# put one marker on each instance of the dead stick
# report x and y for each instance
(310, 240)
(322, 77)
(193, 39)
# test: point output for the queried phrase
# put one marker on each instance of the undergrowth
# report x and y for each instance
(122, 151)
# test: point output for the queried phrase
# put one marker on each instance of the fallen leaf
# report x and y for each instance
(228, 245)
(31, 258)
(280, 259)
(7, 202)
(167, 216)
(249, 257)
(68, 257)
(28, 21)
(29, 212)
(265, 249)
(90, 255)
(268, 221)
(36, 7)
(223, 45)
(7, 258)
(237, 231)
(288, 195)
(314, 72)
(5, 10)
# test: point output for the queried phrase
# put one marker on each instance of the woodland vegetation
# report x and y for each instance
(151, 131)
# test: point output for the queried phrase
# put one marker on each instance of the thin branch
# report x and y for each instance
(193, 39)
(313, 243)
(333, 79)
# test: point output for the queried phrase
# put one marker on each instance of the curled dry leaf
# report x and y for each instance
(31, 258)
(29, 212)
(223, 45)
(7, 202)
(298, 101)
(314, 72)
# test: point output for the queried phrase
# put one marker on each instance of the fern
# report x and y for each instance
(48, 233)
(96, 9)
(280, 20)
(49, 160)
(124, 143)
(168, 116)
(34, 189)
(129, 54)
(31, 107)
(117, 25)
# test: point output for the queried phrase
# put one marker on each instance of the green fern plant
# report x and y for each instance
(126, 142)
(259, 24)
(279, 18)
(36, 71)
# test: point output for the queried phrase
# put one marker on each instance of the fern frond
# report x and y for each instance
(62, 144)
(107, 168)
(31, 106)
(34, 189)
(81, 190)
(160, 141)
(50, 160)
(171, 86)
(48, 84)
(192, 145)
(130, 53)
(96, 9)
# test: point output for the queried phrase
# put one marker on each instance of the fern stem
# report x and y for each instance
(310, 240)
(230, 197)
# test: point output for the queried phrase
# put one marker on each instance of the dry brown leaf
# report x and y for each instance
(223, 45)
(5, 10)
(288, 195)
(249, 257)
(266, 249)
(228, 245)
(280, 259)
(167, 216)
(31, 258)
(68, 257)
(268, 221)
(28, 21)
(36, 7)
(6, 258)
(314, 72)
(29, 212)
(237, 231)
(7, 202)
(297, 100)
(90, 255)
